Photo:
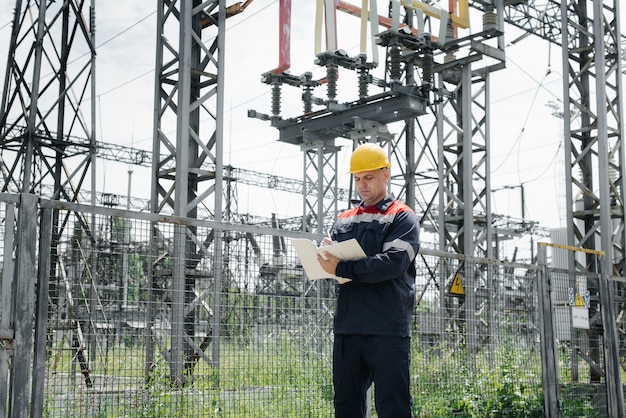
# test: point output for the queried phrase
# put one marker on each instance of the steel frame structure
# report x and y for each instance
(44, 140)
(594, 148)
(47, 123)
(47, 120)
(189, 98)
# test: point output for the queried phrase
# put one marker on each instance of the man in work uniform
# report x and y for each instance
(374, 310)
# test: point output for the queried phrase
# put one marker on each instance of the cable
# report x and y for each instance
(152, 70)
(521, 133)
(125, 83)
(539, 83)
(125, 30)
(249, 16)
(552, 161)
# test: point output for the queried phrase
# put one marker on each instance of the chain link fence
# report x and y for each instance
(142, 315)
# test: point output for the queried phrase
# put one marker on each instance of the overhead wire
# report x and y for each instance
(539, 87)
(125, 30)
(5, 25)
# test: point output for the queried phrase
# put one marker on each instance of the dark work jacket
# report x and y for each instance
(380, 299)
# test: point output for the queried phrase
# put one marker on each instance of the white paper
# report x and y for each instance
(307, 253)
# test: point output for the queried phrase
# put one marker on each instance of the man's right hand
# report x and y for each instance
(327, 241)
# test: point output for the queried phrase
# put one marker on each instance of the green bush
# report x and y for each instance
(501, 383)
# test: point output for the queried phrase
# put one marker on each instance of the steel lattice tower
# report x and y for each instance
(47, 115)
(187, 167)
(594, 147)
(47, 118)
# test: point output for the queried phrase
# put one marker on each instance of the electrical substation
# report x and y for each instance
(185, 282)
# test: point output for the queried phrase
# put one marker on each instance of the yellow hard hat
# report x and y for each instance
(367, 157)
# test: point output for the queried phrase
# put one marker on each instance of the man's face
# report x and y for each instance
(372, 185)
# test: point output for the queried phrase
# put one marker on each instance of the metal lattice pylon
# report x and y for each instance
(187, 167)
(47, 114)
(47, 120)
(594, 156)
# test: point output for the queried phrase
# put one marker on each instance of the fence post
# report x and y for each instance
(41, 312)
(6, 289)
(612, 369)
(23, 308)
(549, 370)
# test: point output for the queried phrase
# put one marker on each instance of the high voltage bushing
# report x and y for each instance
(395, 69)
(307, 99)
(276, 95)
(363, 75)
(427, 67)
(363, 82)
(308, 84)
(331, 81)
(449, 56)
(450, 32)
(490, 20)
(277, 81)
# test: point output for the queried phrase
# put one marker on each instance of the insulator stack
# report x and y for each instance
(395, 70)
(276, 99)
(449, 57)
(427, 68)
(307, 99)
(490, 20)
(363, 82)
(449, 32)
(331, 82)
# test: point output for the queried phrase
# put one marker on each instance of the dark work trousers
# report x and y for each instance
(359, 360)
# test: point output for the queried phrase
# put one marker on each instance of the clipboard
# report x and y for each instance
(307, 253)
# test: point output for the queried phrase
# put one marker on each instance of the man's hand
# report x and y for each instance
(328, 262)
(327, 241)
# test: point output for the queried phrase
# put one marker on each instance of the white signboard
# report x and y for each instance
(580, 317)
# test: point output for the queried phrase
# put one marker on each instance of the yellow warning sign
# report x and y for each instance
(579, 300)
(457, 286)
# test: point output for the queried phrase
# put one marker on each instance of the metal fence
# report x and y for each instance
(96, 319)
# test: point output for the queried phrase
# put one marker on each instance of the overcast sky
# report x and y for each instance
(526, 138)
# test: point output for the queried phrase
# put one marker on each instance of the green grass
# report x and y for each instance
(284, 377)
